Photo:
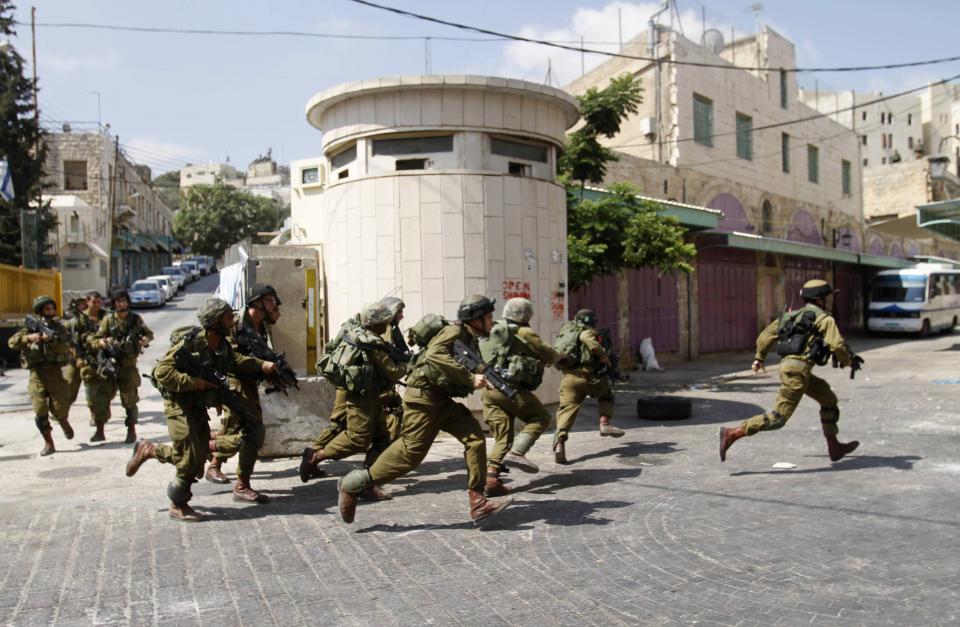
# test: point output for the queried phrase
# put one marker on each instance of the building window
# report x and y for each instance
(74, 225)
(883, 161)
(813, 164)
(519, 169)
(783, 89)
(309, 175)
(344, 157)
(863, 140)
(517, 150)
(767, 216)
(75, 175)
(411, 164)
(883, 140)
(864, 163)
(342, 174)
(910, 143)
(413, 145)
(702, 120)
(863, 116)
(744, 136)
(909, 119)
(784, 152)
(845, 175)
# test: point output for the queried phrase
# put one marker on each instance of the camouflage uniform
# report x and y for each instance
(582, 381)
(84, 328)
(125, 333)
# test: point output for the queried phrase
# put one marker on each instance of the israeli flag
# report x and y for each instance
(6, 183)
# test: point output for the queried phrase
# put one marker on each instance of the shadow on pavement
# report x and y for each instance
(709, 411)
(854, 462)
(548, 484)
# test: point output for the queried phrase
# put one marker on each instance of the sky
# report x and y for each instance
(179, 98)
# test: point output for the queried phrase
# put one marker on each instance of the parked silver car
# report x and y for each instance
(146, 293)
(169, 287)
(175, 275)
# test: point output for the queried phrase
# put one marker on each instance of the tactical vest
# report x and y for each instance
(797, 334)
(505, 349)
(568, 341)
(349, 366)
(423, 374)
(199, 399)
(128, 337)
(43, 353)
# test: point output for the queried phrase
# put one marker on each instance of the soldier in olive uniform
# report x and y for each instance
(582, 380)
(72, 371)
(124, 331)
(514, 346)
(262, 310)
(45, 356)
(391, 401)
(796, 370)
(185, 402)
(435, 380)
(364, 417)
(86, 326)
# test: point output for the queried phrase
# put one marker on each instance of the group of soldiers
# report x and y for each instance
(95, 347)
(215, 365)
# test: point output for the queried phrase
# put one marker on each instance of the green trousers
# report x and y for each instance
(357, 424)
(425, 414)
(189, 430)
(797, 379)
(71, 374)
(574, 389)
(499, 412)
(244, 443)
(103, 390)
(49, 391)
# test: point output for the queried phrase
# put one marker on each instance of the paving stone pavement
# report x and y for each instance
(646, 529)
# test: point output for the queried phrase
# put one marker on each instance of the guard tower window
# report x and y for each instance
(413, 145)
(519, 169)
(343, 157)
(517, 150)
(411, 164)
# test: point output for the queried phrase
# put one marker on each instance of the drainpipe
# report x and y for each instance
(656, 61)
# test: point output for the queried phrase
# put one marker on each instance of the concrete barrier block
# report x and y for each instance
(295, 419)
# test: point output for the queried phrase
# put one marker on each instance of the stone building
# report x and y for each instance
(97, 191)
(432, 188)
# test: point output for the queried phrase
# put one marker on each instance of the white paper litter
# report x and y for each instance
(784, 465)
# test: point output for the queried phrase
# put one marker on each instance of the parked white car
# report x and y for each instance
(175, 275)
(169, 287)
(203, 264)
(192, 266)
(146, 293)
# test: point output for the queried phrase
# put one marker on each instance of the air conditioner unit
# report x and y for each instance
(648, 126)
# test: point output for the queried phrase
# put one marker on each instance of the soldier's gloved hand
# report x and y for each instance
(758, 367)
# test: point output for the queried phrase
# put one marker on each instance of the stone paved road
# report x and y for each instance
(647, 529)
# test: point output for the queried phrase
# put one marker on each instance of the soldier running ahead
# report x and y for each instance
(804, 339)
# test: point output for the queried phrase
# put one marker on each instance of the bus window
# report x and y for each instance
(899, 289)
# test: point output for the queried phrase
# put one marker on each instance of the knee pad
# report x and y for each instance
(829, 415)
(43, 423)
(177, 492)
(773, 421)
(357, 481)
(522, 443)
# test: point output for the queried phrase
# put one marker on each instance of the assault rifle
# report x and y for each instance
(190, 364)
(469, 359)
(611, 371)
(109, 359)
(393, 352)
(252, 343)
(39, 325)
(856, 363)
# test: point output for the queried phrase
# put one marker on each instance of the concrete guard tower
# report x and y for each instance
(431, 188)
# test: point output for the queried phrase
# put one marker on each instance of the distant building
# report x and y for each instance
(265, 178)
(95, 195)
(209, 174)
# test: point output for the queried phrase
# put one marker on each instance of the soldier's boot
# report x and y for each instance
(93, 416)
(375, 493)
(308, 464)
(98, 435)
(133, 414)
(838, 449)
(48, 447)
(214, 472)
(494, 485)
(560, 448)
(142, 451)
(243, 492)
(727, 438)
(184, 513)
(608, 429)
(516, 456)
(349, 488)
(67, 429)
(481, 507)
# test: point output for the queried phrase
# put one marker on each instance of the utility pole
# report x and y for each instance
(113, 204)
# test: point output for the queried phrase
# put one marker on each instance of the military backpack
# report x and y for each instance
(346, 364)
(568, 341)
(797, 334)
(505, 349)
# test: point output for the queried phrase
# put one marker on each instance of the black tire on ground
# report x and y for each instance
(663, 408)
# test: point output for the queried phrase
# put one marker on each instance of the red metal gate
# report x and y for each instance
(727, 300)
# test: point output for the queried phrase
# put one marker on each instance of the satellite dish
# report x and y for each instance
(712, 40)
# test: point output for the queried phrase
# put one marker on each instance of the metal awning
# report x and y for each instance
(145, 242)
(691, 217)
(749, 241)
(160, 241)
(942, 218)
(124, 241)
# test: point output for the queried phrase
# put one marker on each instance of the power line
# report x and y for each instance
(621, 55)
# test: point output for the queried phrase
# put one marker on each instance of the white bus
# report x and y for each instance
(920, 299)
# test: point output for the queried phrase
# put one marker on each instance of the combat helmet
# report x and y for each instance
(119, 294)
(587, 317)
(40, 301)
(518, 310)
(375, 313)
(814, 289)
(394, 304)
(211, 311)
(473, 307)
(258, 291)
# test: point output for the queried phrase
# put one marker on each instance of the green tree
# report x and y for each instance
(168, 186)
(21, 141)
(214, 217)
(619, 230)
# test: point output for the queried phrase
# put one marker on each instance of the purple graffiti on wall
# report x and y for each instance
(734, 217)
(803, 228)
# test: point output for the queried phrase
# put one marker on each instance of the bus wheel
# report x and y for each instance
(925, 329)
